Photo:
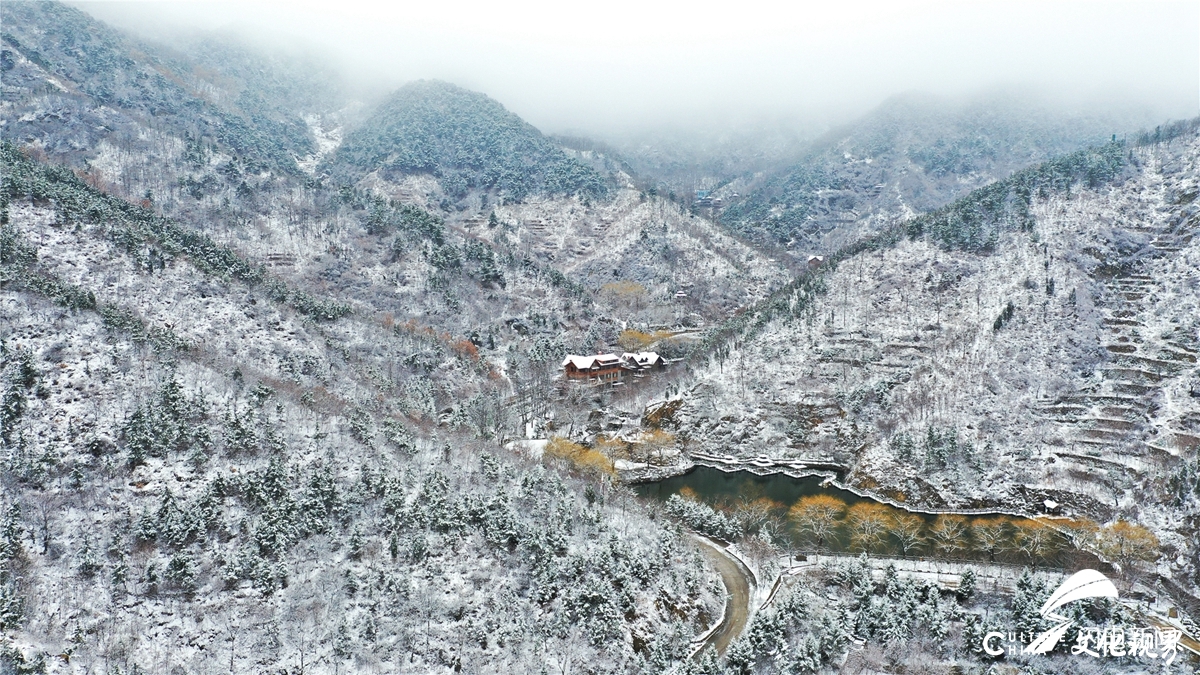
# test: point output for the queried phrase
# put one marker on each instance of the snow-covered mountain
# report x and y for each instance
(912, 154)
(253, 416)
(203, 456)
(80, 90)
(1035, 340)
(272, 357)
(467, 141)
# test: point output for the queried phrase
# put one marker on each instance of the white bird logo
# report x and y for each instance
(1082, 585)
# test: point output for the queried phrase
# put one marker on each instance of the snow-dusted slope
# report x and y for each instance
(255, 498)
(1085, 391)
(912, 154)
(648, 240)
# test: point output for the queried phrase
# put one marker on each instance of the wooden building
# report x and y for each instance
(598, 367)
(642, 363)
(610, 368)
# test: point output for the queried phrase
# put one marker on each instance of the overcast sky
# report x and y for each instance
(621, 64)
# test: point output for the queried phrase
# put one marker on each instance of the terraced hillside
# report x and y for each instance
(1056, 363)
(1142, 404)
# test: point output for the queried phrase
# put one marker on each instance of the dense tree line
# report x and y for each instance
(152, 240)
(907, 147)
(975, 222)
(19, 271)
(468, 141)
(573, 583)
(901, 620)
(111, 70)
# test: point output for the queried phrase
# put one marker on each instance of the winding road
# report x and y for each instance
(738, 581)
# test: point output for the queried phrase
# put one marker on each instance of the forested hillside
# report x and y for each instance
(73, 85)
(674, 161)
(281, 381)
(1035, 340)
(199, 457)
(467, 141)
(253, 416)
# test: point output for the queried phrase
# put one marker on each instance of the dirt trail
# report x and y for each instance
(737, 581)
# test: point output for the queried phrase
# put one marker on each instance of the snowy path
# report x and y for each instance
(738, 585)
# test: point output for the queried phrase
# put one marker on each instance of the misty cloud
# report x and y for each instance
(621, 66)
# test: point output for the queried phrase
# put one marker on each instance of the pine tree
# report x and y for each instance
(120, 572)
(181, 573)
(903, 447)
(12, 603)
(739, 660)
(966, 585)
(934, 618)
(834, 633)
(1031, 593)
(89, 562)
(805, 657)
(360, 426)
(972, 634)
(11, 534)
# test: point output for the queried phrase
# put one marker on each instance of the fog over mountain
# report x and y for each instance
(704, 339)
(629, 66)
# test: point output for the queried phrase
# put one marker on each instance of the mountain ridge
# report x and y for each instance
(298, 407)
(908, 156)
(468, 141)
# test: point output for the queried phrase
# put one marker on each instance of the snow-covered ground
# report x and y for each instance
(108, 579)
(1085, 395)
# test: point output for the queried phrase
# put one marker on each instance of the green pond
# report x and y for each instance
(723, 488)
(729, 491)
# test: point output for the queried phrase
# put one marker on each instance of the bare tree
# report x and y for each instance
(909, 531)
(990, 534)
(231, 630)
(868, 523)
(1033, 538)
(817, 517)
(428, 604)
(949, 534)
(568, 650)
(1129, 544)
(758, 513)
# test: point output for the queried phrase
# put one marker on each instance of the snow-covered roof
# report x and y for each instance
(628, 359)
(587, 362)
(640, 358)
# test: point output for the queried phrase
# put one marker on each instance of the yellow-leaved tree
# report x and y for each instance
(817, 517)
(868, 523)
(949, 534)
(583, 459)
(909, 531)
(655, 443)
(1034, 538)
(1128, 544)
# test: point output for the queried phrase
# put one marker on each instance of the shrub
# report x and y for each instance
(585, 460)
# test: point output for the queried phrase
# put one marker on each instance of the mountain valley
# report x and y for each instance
(284, 392)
